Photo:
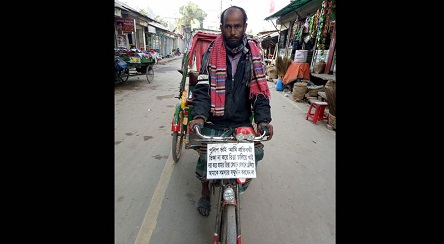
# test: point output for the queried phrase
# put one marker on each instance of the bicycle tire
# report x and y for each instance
(229, 225)
(177, 143)
(149, 73)
(124, 74)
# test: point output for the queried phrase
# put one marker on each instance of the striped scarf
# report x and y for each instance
(218, 74)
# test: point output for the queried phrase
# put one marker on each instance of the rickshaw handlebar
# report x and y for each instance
(198, 127)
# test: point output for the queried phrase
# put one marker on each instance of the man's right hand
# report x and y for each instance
(194, 122)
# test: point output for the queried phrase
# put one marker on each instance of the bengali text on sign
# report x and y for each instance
(230, 160)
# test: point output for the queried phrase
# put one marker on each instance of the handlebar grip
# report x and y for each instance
(197, 127)
(266, 129)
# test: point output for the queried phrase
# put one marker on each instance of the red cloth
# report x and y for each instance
(199, 45)
(296, 70)
(218, 73)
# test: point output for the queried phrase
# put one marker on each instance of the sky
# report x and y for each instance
(257, 10)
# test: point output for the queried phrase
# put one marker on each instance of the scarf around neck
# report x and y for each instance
(218, 73)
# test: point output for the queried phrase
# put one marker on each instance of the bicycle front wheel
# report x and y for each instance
(229, 225)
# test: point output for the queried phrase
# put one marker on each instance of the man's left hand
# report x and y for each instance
(270, 129)
(192, 123)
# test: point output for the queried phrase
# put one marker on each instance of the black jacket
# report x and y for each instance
(238, 106)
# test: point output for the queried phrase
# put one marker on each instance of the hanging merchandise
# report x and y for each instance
(295, 28)
(300, 30)
(297, 39)
(323, 24)
(306, 27)
(312, 22)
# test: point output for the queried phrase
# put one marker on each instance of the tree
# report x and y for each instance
(158, 18)
(143, 11)
(200, 17)
(191, 15)
(161, 21)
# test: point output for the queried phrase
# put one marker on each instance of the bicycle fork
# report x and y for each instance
(228, 196)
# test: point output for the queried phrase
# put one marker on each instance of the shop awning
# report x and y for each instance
(301, 7)
(269, 40)
(157, 25)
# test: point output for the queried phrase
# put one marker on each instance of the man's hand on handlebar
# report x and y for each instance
(198, 121)
(263, 126)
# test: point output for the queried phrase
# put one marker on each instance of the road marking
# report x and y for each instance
(150, 220)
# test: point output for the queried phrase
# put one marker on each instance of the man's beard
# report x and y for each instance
(233, 44)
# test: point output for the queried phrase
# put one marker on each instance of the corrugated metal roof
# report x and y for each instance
(157, 25)
(308, 6)
(126, 7)
(123, 5)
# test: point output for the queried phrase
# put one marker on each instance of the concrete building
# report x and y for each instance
(134, 29)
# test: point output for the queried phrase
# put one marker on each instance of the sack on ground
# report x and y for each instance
(313, 90)
(319, 67)
(299, 90)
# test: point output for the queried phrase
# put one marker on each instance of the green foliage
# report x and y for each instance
(191, 14)
(161, 21)
(158, 18)
(143, 11)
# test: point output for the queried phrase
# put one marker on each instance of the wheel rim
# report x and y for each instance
(178, 142)
(150, 73)
(179, 145)
(124, 74)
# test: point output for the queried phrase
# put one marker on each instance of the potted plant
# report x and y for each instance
(330, 93)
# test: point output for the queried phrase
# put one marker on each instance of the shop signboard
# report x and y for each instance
(122, 41)
(125, 24)
(321, 55)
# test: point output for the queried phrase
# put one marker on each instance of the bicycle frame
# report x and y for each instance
(227, 228)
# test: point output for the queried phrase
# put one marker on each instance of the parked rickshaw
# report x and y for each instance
(182, 113)
(138, 62)
(121, 71)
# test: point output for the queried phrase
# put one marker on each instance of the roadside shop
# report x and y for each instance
(307, 30)
(304, 56)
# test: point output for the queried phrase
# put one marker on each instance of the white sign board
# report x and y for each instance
(230, 160)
